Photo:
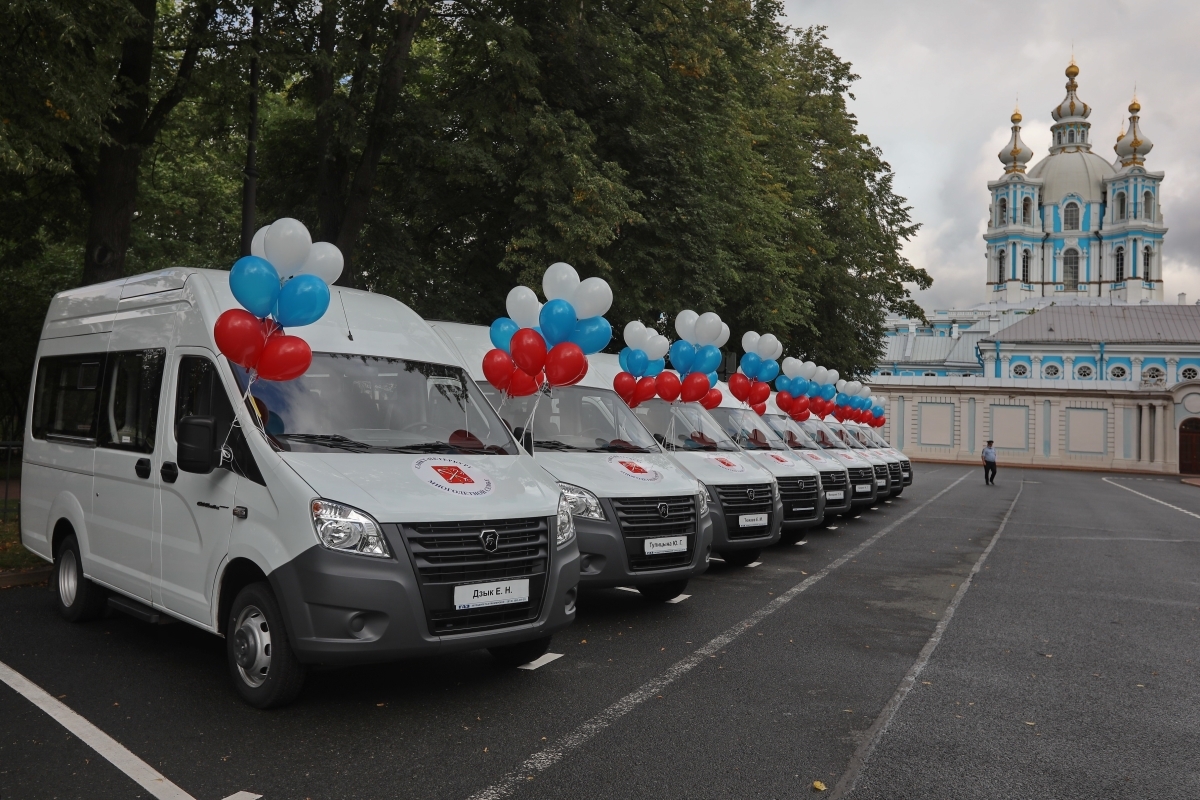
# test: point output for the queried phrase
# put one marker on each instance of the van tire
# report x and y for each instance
(79, 600)
(255, 634)
(662, 592)
(741, 558)
(514, 655)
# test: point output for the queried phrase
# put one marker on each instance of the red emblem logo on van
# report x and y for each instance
(634, 467)
(452, 474)
(725, 462)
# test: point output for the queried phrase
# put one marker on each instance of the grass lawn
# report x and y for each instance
(13, 554)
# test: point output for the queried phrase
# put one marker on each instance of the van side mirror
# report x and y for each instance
(196, 444)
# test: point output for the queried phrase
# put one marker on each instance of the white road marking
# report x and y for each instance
(802, 541)
(541, 661)
(112, 750)
(1148, 497)
(875, 733)
(754, 564)
(552, 754)
(1107, 539)
(244, 796)
(679, 598)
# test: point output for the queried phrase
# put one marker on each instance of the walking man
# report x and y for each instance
(989, 464)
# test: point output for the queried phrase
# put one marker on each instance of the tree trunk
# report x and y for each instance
(250, 179)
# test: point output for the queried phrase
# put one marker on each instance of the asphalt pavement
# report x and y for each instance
(1067, 669)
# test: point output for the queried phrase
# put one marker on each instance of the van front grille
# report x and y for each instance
(745, 499)
(799, 496)
(642, 518)
(896, 473)
(907, 467)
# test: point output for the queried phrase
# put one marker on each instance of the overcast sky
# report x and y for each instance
(938, 80)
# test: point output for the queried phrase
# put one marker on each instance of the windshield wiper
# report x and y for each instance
(608, 448)
(331, 440)
(554, 444)
(427, 447)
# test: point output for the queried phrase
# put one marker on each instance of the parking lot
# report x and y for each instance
(1067, 668)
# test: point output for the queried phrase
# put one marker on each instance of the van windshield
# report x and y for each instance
(862, 435)
(683, 426)
(796, 437)
(371, 404)
(827, 439)
(848, 439)
(748, 429)
(577, 418)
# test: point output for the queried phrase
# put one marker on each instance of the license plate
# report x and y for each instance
(752, 520)
(834, 495)
(863, 487)
(881, 483)
(667, 544)
(495, 593)
(906, 474)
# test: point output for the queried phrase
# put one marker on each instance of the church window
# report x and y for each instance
(1147, 257)
(1189, 373)
(1120, 205)
(1083, 372)
(1051, 371)
(1117, 373)
(1148, 205)
(1027, 211)
(1026, 258)
(930, 375)
(887, 373)
(1152, 374)
(1070, 137)
(1020, 370)
(1071, 217)
(999, 266)
(1119, 270)
(1059, 137)
(1071, 268)
(1002, 213)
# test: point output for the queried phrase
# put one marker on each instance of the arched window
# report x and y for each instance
(1117, 373)
(1020, 370)
(1071, 268)
(1083, 372)
(1026, 259)
(1071, 217)
(1000, 276)
(1148, 205)
(886, 373)
(1070, 137)
(930, 375)
(1120, 205)
(1152, 374)
(1051, 371)
(1002, 212)
(1147, 259)
(1059, 137)
(1189, 373)
(1027, 211)
(1119, 260)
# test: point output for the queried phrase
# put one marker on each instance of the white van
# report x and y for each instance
(878, 461)
(641, 519)
(384, 512)
(743, 498)
(872, 438)
(835, 477)
(799, 482)
(864, 491)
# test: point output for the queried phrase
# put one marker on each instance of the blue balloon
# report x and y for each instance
(799, 386)
(712, 380)
(557, 321)
(592, 334)
(783, 384)
(654, 367)
(750, 363)
(840, 399)
(682, 356)
(502, 331)
(828, 391)
(708, 358)
(767, 371)
(813, 389)
(255, 284)
(877, 412)
(637, 362)
(623, 359)
(302, 301)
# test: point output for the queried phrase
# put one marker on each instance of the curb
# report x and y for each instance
(25, 578)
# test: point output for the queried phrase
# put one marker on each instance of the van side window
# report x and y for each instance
(67, 397)
(129, 400)
(199, 392)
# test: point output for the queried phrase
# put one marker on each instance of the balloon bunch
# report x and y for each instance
(642, 363)
(757, 368)
(284, 283)
(696, 355)
(853, 402)
(549, 343)
(805, 389)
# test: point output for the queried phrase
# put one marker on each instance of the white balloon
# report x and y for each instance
(286, 245)
(809, 370)
(523, 307)
(840, 385)
(724, 337)
(657, 347)
(778, 351)
(643, 337)
(820, 375)
(708, 327)
(833, 376)
(325, 261)
(791, 367)
(591, 298)
(560, 281)
(685, 324)
(633, 333)
(765, 347)
(866, 392)
(258, 245)
(853, 388)
(750, 341)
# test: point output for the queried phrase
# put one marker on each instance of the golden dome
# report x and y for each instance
(1135, 106)
(1016, 116)
(1072, 70)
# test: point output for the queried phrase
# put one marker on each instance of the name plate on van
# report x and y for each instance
(752, 520)
(838, 495)
(495, 593)
(666, 544)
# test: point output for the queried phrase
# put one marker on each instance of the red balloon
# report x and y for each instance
(624, 385)
(739, 386)
(668, 386)
(284, 358)
(712, 399)
(759, 392)
(759, 408)
(800, 416)
(645, 389)
(582, 373)
(522, 384)
(498, 368)
(695, 386)
(564, 363)
(801, 403)
(528, 350)
(240, 336)
(784, 400)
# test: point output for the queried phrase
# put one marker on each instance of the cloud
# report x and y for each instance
(939, 81)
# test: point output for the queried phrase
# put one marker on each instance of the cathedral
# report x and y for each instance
(1075, 225)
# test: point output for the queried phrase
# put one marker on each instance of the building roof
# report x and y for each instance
(1178, 324)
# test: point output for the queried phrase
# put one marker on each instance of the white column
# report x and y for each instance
(1172, 371)
(1143, 443)
(1160, 433)
(989, 360)
(1069, 367)
(1004, 362)
(1036, 372)
(1137, 370)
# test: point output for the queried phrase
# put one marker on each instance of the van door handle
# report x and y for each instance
(169, 471)
(142, 468)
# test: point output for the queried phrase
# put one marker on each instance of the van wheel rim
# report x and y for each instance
(68, 578)
(252, 646)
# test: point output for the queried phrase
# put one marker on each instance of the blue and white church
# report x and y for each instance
(1075, 225)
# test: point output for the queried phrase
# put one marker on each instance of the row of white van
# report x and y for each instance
(379, 506)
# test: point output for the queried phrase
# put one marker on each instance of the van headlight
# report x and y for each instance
(347, 530)
(583, 503)
(705, 498)
(566, 525)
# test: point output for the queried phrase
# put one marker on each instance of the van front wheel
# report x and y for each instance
(261, 662)
(514, 655)
(78, 598)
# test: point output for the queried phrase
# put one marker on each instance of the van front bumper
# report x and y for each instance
(345, 609)
(723, 524)
(607, 556)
